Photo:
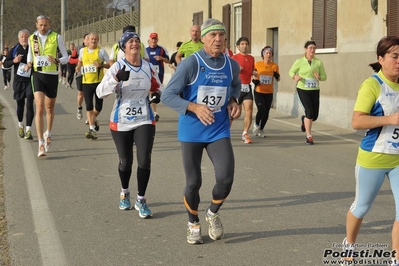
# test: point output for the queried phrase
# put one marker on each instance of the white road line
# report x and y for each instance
(51, 249)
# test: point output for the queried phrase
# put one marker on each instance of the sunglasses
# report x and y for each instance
(43, 17)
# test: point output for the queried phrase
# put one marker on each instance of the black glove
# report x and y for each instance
(276, 75)
(155, 97)
(122, 75)
(256, 82)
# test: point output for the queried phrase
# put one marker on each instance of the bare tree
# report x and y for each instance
(78, 11)
(119, 5)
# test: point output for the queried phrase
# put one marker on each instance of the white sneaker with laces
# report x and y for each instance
(194, 233)
(261, 134)
(79, 114)
(47, 141)
(41, 151)
(256, 130)
(215, 230)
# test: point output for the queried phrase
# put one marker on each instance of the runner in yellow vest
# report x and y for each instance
(42, 59)
(92, 61)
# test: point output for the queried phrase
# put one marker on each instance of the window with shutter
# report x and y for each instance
(330, 28)
(324, 23)
(318, 22)
(198, 18)
(246, 20)
(226, 19)
(237, 31)
(393, 18)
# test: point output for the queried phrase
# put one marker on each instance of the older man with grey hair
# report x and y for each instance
(23, 93)
(210, 85)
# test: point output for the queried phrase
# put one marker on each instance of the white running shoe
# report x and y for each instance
(349, 248)
(261, 134)
(256, 130)
(194, 233)
(47, 141)
(215, 230)
(79, 114)
(245, 138)
(41, 151)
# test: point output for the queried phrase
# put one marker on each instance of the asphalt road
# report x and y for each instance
(288, 204)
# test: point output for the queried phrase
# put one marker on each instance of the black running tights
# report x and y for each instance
(143, 138)
(221, 154)
(263, 103)
(30, 113)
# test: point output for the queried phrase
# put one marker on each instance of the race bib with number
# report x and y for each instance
(212, 96)
(89, 69)
(42, 61)
(133, 110)
(265, 79)
(21, 70)
(244, 87)
(311, 83)
(392, 138)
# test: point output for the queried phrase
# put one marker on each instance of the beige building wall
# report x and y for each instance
(172, 21)
(290, 21)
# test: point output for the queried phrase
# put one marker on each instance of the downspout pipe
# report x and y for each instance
(209, 8)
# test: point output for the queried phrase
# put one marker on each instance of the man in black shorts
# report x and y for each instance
(42, 59)
(93, 59)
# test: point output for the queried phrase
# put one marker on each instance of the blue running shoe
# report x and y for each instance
(124, 203)
(143, 209)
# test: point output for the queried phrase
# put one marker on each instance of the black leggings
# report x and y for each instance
(6, 76)
(63, 70)
(263, 103)
(89, 91)
(71, 73)
(30, 113)
(143, 138)
(221, 154)
(310, 100)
